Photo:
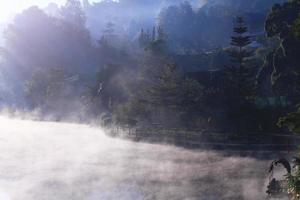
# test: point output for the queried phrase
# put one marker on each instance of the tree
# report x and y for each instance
(163, 90)
(282, 22)
(241, 72)
(107, 92)
(49, 89)
(159, 45)
(169, 95)
(36, 40)
(240, 78)
(179, 23)
(72, 12)
(156, 42)
(296, 28)
(292, 120)
(144, 39)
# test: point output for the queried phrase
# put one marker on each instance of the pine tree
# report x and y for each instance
(159, 45)
(144, 39)
(241, 72)
(155, 42)
(154, 33)
(168, 94)
(161, 34)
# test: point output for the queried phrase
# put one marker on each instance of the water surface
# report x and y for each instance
(57, 161)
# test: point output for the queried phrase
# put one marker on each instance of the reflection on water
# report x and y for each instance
(53, 161)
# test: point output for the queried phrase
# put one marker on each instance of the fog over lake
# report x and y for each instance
(46, 160)
(149, 99)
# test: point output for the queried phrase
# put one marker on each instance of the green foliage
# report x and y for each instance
(292, 121)
(289, 186)
(46, 87)
(282, 22)
(288, 56)
(296, 28)
(36, 90)
(107, 92)
(169, 89)
(155, 43)
(192, 93)
(161, 93)
(131, 113)
(144, 39)
(294, 184)
(281, 17)
(165, 88)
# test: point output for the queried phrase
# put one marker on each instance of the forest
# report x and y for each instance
(231, 68)
(220, 66)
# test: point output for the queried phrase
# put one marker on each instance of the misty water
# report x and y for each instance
(53, 161)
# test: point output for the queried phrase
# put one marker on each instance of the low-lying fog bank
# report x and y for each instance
(53, 161)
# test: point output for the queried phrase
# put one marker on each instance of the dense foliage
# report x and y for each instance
(283, 22)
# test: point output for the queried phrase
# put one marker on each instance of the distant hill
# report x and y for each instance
(210, 26)
(244, 5)
(129, 16)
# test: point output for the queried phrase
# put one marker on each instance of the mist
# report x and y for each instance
(149, 99)
(45, 160)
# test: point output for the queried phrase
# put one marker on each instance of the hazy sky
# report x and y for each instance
(10, 7)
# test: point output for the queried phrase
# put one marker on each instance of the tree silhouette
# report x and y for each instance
(241, 72)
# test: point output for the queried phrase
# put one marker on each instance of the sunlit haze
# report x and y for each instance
(10, 7)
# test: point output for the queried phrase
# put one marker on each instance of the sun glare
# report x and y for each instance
(10, 7)
(6, 9)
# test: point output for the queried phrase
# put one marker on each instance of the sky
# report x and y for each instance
(9, 7)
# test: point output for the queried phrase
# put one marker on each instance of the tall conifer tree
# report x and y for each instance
(241, 72)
